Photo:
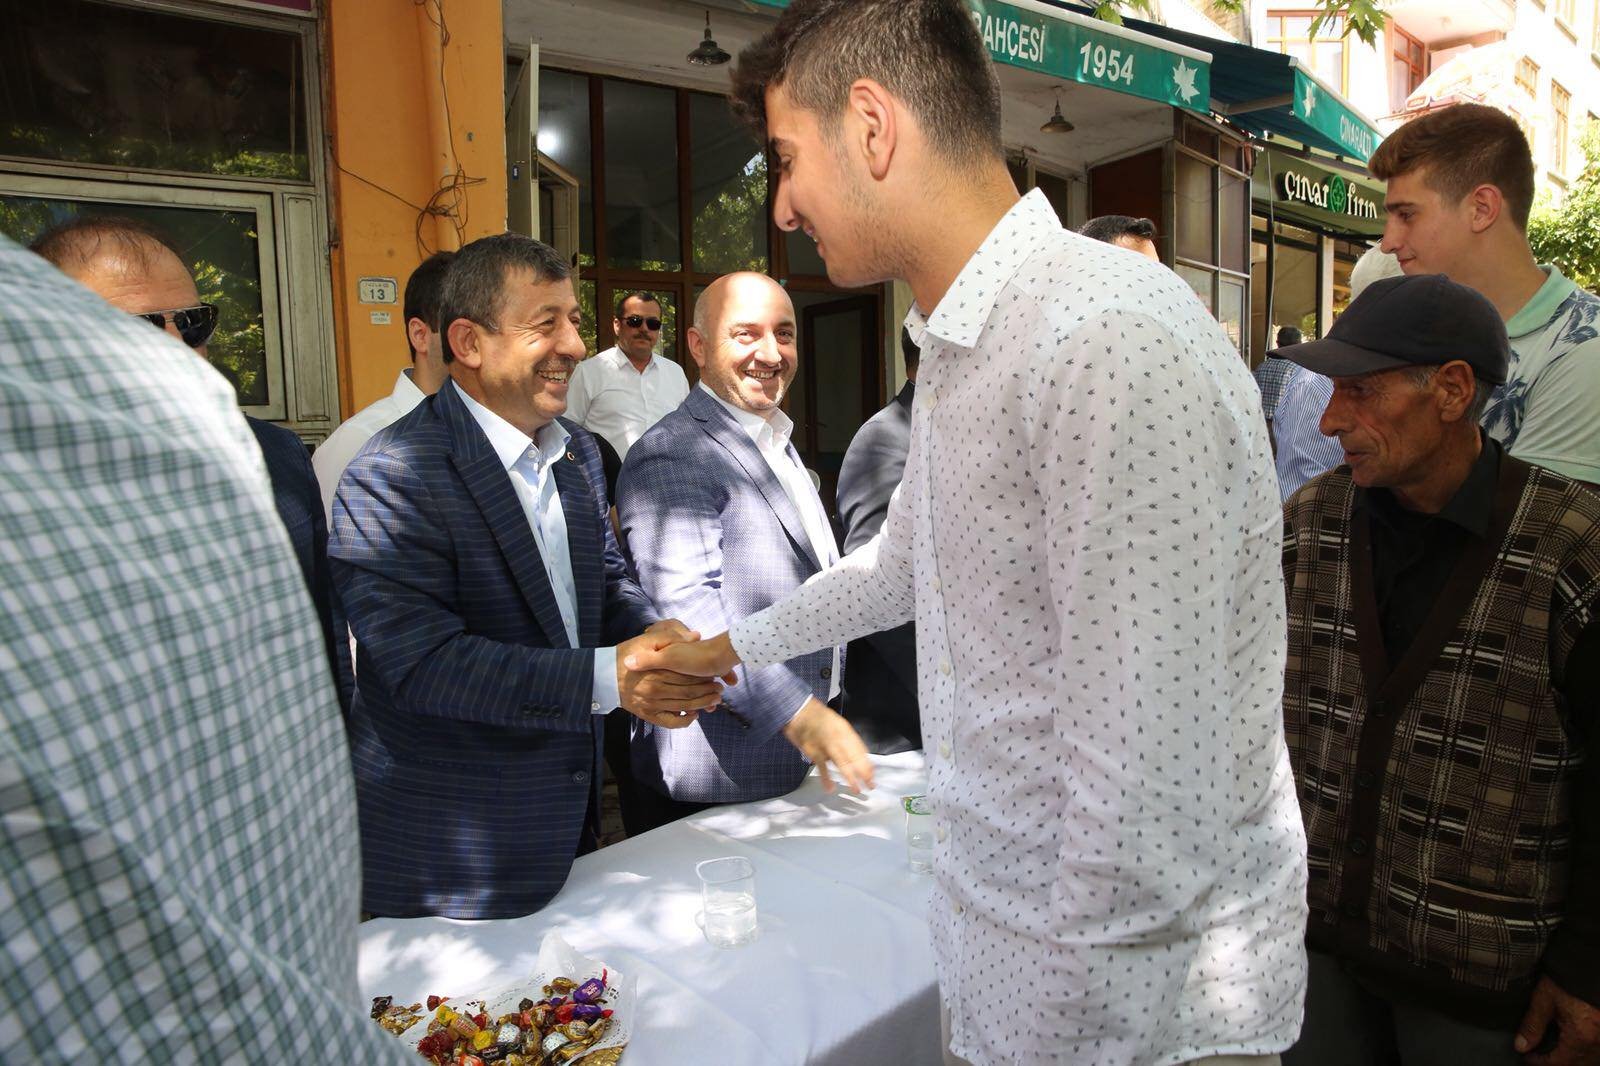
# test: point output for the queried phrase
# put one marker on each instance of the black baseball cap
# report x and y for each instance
(1420, 320)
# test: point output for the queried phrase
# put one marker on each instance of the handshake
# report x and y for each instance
(667, 676)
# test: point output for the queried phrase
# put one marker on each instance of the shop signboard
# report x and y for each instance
(1325, 199)
(1073, 47)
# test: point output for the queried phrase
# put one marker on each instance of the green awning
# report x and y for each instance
(1072, 47)
(1268, 92)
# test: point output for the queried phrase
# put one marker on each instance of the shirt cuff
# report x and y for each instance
(606, 697)
(753, 642)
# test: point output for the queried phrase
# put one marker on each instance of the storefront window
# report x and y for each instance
(1211, 201)
(1345, 254)
(95, 83)
(564, 137)
(1288, 296)
(641, 176)
(728, 192)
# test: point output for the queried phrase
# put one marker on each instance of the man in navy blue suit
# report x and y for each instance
(491, 610)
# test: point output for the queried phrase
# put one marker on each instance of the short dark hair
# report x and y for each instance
(636, 294)
(423, 289)
(474, 286)
(909, 351)
(1461, 147)
(76, 242)
(1288, 335)
(1108, 228)
(926, 52)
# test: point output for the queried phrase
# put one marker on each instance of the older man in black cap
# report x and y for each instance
(1440, 696)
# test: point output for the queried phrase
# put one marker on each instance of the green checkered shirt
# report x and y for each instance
(178, 852)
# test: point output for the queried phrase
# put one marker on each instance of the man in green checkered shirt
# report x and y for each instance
(178, 853)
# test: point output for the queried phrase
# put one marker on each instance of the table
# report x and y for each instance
(842, 971)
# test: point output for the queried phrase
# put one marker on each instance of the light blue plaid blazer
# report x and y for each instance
(712, 537)
(475, 748)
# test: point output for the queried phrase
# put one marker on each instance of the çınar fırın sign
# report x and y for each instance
(1329, 192)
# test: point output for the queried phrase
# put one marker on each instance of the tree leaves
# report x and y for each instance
(1364, 18)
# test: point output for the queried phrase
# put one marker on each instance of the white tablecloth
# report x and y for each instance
(841, 972)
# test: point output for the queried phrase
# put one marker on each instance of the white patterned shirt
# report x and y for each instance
(335, 453)
(608, 396)
(1088, 537)
(179, 867)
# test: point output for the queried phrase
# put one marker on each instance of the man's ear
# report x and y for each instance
(876, 127)
(1487, 203)
(697, 346)
(1456, 388)
(417, 334)
(462, 336)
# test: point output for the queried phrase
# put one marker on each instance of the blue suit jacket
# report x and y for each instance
(476, 750)
(713, 537)
(299, 506)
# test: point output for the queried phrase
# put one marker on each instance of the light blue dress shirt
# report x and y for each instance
(528, 462)
(1303, 452)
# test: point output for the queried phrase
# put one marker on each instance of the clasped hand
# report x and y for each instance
(658, 694)
(820, 733)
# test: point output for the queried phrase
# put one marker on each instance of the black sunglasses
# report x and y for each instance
(635, 321)
(194, 324)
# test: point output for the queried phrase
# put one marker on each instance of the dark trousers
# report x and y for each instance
(1349, 1025)
(648, 809)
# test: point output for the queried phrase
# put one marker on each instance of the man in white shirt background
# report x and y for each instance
(422, 378)
(1088, 537)
(627, 388)
(719, 519)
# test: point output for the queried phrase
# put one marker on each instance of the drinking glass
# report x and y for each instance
(728, 891)
(919, 833)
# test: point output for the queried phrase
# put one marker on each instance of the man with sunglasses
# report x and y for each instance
(627, 388)
(136, 269)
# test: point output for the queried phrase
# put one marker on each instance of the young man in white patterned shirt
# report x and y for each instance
(1087, 536)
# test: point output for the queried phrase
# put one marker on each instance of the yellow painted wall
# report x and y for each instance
(391, 150)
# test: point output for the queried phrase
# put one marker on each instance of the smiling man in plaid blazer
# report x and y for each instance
(720, 519)
(491, 610)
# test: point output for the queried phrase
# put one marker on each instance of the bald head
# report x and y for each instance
(126, 263)
(744, 340)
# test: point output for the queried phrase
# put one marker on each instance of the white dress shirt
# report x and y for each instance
(1088, 536)
(335, 453)
(608, 396)
(528, 462)
(771, 436)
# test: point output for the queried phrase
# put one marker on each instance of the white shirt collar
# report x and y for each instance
(966, 306)
(775, 429)
(405, 389)
(509, 442)
(618, 360)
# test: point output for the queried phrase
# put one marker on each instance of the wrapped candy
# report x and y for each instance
(587, 1012)
(381, 1004)
(592, 989)
(508, 1035)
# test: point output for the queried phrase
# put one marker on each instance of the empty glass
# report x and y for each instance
(919, 833)
(728, 891)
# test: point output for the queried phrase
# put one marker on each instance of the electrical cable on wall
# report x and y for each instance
(449, 200)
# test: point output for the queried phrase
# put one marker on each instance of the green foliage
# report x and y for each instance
(1568, 234)
(1364, 18)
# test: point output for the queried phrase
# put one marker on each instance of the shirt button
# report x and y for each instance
(1364, 779)
(939, 833)
(944, 667)
(1351, 910)
(1379, 708)
(595, 706)
(960, 909)
(1358, 846)
(581, 776)
(936, 585)
(944, 750)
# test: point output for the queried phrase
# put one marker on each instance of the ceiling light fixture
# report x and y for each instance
(1057, 122)
(708, 54)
